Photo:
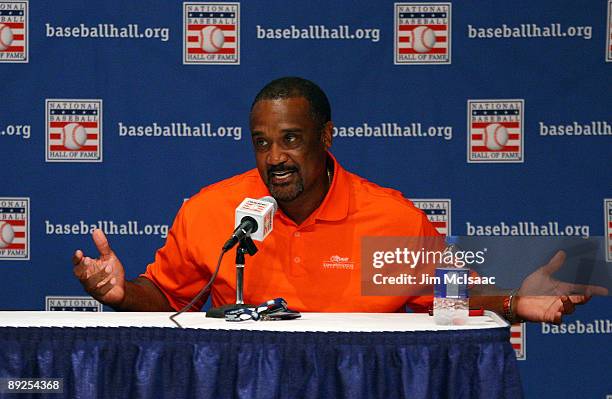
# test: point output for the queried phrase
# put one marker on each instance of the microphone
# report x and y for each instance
(254, 217)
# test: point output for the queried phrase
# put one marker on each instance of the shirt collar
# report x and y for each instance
(336, 203)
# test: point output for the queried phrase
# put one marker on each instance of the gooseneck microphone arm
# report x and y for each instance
(245, 228)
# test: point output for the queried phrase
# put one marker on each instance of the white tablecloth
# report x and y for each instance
(309, 322)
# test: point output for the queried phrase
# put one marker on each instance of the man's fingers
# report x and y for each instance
(85, 267)
(101, 243)
(76, 258)
(91, 283)
(554, 263)
(595, 290)
(568, 305)
(581, 289)
(108, 269)
(580, 299)
(103, 290)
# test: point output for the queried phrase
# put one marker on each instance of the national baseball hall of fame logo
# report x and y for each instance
(14, 35)
(73, 130)
(438, 212)
(422, 33)
(608, 228)
(72, 304)
(211, 33)
(495, 131)
(14, 228)
(518, 340)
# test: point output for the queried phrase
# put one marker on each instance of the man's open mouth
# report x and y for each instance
(281, 176)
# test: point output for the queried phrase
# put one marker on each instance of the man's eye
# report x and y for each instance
(260, 143)
(290, 138)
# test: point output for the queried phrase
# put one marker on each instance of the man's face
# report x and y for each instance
(290, 148)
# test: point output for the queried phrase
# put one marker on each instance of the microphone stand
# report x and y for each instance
(246, 246)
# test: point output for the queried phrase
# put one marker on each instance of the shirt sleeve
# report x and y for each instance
(174, 271)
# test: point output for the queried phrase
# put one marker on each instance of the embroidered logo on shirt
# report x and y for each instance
(338, 262)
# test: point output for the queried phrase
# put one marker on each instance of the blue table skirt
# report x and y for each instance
(173, 363)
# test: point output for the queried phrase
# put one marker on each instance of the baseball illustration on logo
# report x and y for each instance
(496, 136)
(495, 131)
(422, 33)
(14, 31)
(74, 136)
(7, 234)
(211, 39)
(211, 33)
(423, 39)
(14, 228)
(74, 130)
(6, 37)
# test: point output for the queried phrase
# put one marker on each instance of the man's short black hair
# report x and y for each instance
(292, 87)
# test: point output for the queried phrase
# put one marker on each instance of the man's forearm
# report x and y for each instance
(141, 295)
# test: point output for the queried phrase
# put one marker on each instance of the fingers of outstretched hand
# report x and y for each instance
(554, 313)
(101, 243)
(567, 305)
(554, 263)
(107, 286)
(110, 275)
(82, 265)
(580, 289)
(76, 258)
(580, 299)
(95, 277)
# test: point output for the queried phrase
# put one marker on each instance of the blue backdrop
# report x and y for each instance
(501, 112)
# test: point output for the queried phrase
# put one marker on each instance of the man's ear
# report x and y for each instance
(327, 134)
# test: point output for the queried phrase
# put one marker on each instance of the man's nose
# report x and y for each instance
(276, 155)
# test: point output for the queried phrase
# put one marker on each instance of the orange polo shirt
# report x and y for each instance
(294, 262)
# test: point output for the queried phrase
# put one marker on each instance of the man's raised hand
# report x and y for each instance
(103, 278)
(543, 298)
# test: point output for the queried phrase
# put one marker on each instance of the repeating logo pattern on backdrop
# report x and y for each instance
(518, 340)
(608, 228)
(14, 35)
(422, 33)
(438, 212)
(211, 33)
(609, 33)
(14, 228)
(72, 304)
(495, 131)
(73, 130)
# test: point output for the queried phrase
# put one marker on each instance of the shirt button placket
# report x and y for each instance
(297, 251)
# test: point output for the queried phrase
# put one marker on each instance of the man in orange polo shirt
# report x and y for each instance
(312, 257)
